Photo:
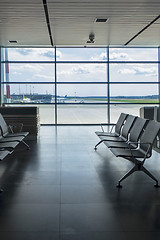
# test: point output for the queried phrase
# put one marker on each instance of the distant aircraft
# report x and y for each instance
(26, 100)
(70, 99)
(62, 99)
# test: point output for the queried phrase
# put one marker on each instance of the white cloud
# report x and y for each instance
(102, 56)
(28, 67)
(59, 54)
(43, 76)
(113, 55)
(84, 69)
(127, 71)
(151, 71)
(119, 56)
(33, 54)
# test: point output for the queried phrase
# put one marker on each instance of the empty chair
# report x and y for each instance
(117, 126)
(124, 135)
(6, 144)
(139, 155)
(134, 135)
(7, 137)
(5, 131)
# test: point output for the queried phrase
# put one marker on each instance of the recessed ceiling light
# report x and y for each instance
(12, 41)
(101, 20)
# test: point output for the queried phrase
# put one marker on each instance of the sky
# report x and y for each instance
(78, 72)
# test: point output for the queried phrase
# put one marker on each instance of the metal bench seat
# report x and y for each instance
(144, 132)
(134, 135)
(9, 141)
(124, 134)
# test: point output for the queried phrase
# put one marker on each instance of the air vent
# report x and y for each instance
(101, 20)
(12, 41)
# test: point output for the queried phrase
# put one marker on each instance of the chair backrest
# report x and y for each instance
(149, 135)
(127, 126)
(137, 129)
(120, 123)
(3, 126)
(1, 134)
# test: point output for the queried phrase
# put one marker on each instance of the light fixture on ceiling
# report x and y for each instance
(101, 20)
(12, 41)
(91, 38)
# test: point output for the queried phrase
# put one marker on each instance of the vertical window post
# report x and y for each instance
(159, 76)
(108, 86)
(55, 93)
(0, 76)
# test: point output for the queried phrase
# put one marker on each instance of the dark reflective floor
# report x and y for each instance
(63, 189)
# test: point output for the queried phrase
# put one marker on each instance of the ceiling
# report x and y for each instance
(70, 22)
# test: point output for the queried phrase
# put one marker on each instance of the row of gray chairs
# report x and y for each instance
(9, 140)
(133, 141)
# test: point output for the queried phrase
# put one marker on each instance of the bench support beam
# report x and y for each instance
(25, 144)
(137, 167)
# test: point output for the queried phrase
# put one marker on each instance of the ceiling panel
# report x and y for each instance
(72, 21)
(23, 21)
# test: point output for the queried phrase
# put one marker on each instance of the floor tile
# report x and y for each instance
(89, 217)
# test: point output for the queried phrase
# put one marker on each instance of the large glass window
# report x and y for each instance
(134, 72)
(133, 54)
(29, 72)
(81, 54)
(82, 114)
(117, 109)
(29, 93)
(31, 54)
(70, 72)
(87, 85)
(82, 93)
(133, 92)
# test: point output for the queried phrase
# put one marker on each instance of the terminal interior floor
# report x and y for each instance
(62, 189)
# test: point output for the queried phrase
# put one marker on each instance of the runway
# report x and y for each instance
(85, 114)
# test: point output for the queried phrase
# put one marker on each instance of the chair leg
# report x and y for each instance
(150, 175)
(95, 148)
(134, 169)
(25, 144)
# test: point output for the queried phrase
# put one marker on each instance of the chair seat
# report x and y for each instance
(122, 152)
(3, 154)
(12, 139)
(111, 144)
(8, 144)
(106, 134)
(111, 139)
(16, 134)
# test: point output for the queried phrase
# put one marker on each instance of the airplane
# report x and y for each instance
(62, 99)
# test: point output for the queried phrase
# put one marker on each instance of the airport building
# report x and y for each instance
(68, 68)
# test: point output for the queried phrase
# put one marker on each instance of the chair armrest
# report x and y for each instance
(141, 143)
(14, 126)
(110, 124)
